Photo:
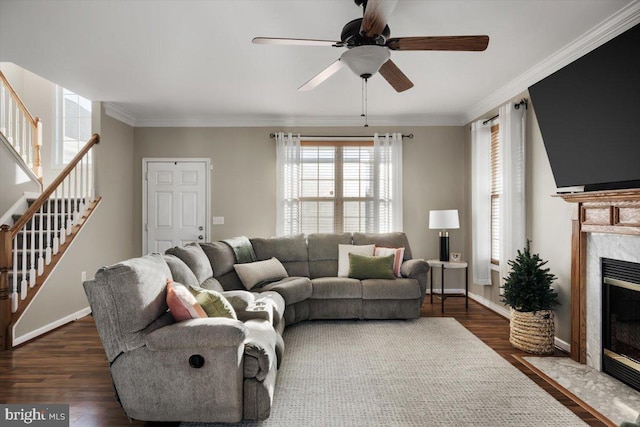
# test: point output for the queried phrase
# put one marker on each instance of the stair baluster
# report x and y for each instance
(24, 273)
(50, 235)
(40, 245)
(14, 279)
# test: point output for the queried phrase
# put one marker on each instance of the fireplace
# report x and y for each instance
(621, 320)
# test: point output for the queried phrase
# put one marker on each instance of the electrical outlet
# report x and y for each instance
(218, 220)
(83, 276)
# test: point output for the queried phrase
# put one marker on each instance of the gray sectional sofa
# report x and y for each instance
(222, 369)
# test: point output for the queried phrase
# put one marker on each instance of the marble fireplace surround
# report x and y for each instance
(604, 224)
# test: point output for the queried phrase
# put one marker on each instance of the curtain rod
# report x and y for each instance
(523, 101)
(273, 135)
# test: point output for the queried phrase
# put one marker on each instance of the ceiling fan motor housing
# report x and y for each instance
(351, 36)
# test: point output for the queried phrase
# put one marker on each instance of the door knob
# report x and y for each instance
(200, 237)
(201, 228)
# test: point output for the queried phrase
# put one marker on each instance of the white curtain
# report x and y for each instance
(287, 184)
(388, 182)
(481, 202)
(512, 201)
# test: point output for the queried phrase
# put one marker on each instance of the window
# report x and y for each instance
(73, 125)
(330, 185)
(496, 192)
(337, 187)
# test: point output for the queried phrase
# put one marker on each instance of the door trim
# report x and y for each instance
(207, 191)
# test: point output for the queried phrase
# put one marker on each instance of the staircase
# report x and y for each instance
(37, 240)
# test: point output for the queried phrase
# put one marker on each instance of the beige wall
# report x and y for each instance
(14, 181)
(106, 239)
(548, 222)
(243, 176)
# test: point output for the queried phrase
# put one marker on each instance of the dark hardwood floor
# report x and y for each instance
(68, 365)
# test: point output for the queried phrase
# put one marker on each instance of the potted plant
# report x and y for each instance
(528, 291)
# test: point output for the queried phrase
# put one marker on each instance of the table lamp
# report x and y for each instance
(443, 220)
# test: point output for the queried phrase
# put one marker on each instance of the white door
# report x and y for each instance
(176, 203)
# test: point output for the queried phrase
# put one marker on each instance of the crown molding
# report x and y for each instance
(321, 121)
(118, 113)
(616, 24)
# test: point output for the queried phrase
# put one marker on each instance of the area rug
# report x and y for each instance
(425, 372)
(608, 396)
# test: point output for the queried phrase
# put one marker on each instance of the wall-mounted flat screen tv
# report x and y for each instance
(589, 117)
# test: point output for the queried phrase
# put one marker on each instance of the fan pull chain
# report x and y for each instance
(365, 82)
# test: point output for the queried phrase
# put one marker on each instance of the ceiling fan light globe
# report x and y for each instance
(365, 59)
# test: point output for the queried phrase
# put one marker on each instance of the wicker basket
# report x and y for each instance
(532, 332)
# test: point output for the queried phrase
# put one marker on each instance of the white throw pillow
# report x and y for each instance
(398, 253)
(343, 256)
(254, 273)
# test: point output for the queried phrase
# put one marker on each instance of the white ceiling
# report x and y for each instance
(180, 63)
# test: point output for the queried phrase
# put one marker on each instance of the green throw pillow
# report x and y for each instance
(371, 267)
(213, 303)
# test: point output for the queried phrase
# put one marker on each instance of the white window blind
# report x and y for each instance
(496, 192)
(337, 187)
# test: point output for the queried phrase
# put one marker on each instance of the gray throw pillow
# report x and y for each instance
(371, 267)
(195, 258)
(260, 272)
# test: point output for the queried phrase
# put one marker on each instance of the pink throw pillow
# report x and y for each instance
(182, 304)
(397, 260)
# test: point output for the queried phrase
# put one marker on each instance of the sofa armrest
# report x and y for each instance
(198, 333)
(416, 269)
(259, 349)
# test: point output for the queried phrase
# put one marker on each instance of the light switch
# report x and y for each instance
(218, 220)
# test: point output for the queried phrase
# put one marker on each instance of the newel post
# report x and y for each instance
(5, 290)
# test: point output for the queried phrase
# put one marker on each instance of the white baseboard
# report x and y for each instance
(504, 312)
(500, 309)
(436, 291)
(562, 345)
(51, 326)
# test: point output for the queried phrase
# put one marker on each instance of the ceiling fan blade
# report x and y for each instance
(295, 42)
(322, 75)
(395, 77)
(461, 43)
(376, 16)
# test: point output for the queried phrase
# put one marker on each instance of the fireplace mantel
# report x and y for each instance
(614, 212)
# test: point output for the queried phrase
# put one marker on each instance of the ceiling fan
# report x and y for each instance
(369, 46)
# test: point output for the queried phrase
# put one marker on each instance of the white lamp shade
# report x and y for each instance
(366, 59)
(444, 219)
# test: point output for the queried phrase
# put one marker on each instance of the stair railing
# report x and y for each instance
(22, 130)
(31, 247)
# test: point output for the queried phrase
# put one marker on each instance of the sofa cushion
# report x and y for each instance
(336, 288)
(239, 300)
(323, 253)
(343, 256)
(260, 272)
(389, 240)
(292, 289)
(180, 271)
(195, 258)
(390, 289)
(371, 267)
(213, 303)
(182, 304)
(398, 256)
(221, 257)
(290, 250)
